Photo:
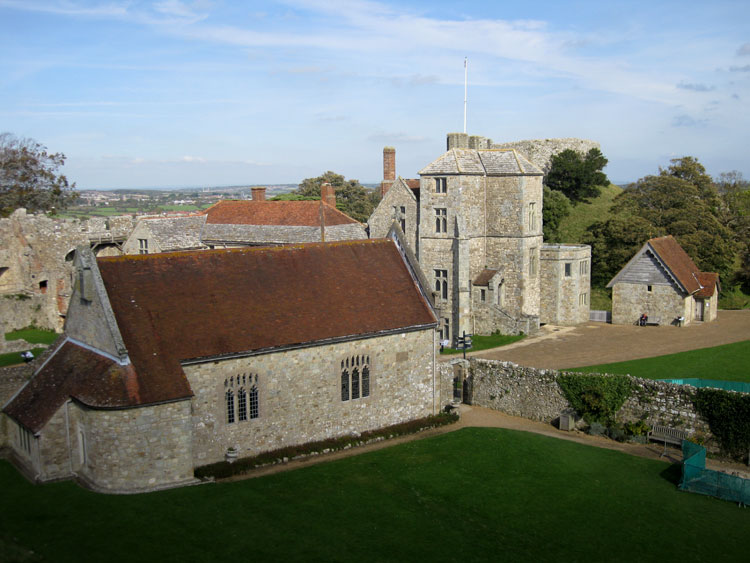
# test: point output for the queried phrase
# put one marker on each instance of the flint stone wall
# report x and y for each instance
(534, 394)
(541, 151)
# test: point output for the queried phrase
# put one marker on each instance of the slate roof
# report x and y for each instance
(492, 162)
(177, 233)
(284, 213)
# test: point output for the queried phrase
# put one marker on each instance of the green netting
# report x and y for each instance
(697, 479)
(713, 383)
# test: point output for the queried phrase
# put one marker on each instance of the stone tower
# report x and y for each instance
(480, 237)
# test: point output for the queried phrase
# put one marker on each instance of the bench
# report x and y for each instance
(653, 321)
(667, 435)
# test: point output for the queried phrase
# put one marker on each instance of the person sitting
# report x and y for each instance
(643, 320)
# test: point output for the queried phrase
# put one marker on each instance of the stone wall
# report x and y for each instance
(389, 209)
(299, 394)
(541, 151)
(534, 394)
(663, 302)
(11, 380)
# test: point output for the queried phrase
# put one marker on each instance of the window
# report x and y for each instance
(568, 268)
(24, 439)
(533, 262)
(532, 216)
(403, 218)
(355, 378)
(444, 330)
(441, 283)
(241, 398)
(43, 286)
(483, 295)
(441, 185)
(441, 220)
(583, 299)
(142, 246)
(650, 289)
(584, 267)
(500, 294)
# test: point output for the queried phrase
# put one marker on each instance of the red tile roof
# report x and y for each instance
(180, 306)
(88, 377)
(677, 260)
(285, 213)
(709, 281)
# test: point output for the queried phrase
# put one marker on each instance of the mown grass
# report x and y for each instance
(13, 358)
(728, 362)
(477, 494)
(32, 335)
(574, 226)
(480, 342)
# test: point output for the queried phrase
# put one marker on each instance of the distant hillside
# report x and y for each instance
(574, 225)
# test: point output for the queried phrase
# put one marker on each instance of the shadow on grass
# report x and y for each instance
(672, 473)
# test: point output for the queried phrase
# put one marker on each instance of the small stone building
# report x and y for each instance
(170, 360)
(664, 283)
(258, 221)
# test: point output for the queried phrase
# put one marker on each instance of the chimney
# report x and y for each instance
(258, 194)
(328, 194)
(389, 169)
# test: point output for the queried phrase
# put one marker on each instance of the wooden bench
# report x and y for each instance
(667, 435)
(653, 321)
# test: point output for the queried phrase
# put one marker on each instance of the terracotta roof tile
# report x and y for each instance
(677, 260)
(86, 376)
(180, 306)
(709, 281)
(485, 276)
(287, 213)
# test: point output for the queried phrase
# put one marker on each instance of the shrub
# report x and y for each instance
(597, 429)
(596, 397)
(727, 414)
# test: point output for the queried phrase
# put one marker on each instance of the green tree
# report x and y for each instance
(734, 212)
(351, 197)
(578, 177)
(29, 177)
(689, 169)
(556, 207)
(656, 206)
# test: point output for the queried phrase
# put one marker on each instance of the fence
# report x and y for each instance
(600, 316)
(697, 479)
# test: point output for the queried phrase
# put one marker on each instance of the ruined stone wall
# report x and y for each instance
(541, 151)
(36, 268)
(534, 394)
(299, 394)
(561, 295)
(664, 302)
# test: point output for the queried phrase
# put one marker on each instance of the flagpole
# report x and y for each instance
(466, 86)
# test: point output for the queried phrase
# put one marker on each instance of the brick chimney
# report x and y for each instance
(258, 194)
(328, 194)
(389, 169)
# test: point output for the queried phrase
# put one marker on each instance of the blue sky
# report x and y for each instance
(179, 93)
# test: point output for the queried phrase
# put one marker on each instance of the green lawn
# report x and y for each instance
(480, 342)
(13, 358)
(33, 335)
(730, 362)
(477, 494)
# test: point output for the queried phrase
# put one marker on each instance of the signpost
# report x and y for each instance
(464, 343)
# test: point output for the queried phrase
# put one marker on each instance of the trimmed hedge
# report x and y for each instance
(223, 469)
(728, 417)
(596, 398)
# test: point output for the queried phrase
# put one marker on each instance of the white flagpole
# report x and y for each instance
(466, 86)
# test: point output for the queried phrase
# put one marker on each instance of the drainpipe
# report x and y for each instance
(67, 436)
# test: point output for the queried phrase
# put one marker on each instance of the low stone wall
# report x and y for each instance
(534, 394)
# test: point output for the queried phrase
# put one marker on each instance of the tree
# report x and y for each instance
(29, 178)
(556, 207)
(656, 206)
(351, 197)
(689, 169)
(578, 177)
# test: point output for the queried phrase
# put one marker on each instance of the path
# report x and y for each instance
(601, 343)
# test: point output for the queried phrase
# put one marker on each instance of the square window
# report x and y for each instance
(568, 269)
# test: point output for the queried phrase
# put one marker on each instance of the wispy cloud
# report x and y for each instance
(745, 68)
(395, 138)
(695, 87)
(744, 50)
(685, 120)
